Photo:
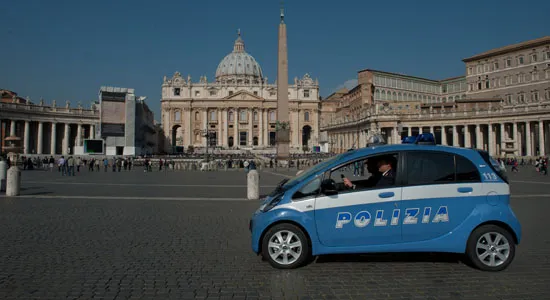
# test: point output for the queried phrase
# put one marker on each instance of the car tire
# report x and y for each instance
(285, 246)
(491, 248)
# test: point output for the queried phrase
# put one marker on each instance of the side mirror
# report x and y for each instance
(328, 187)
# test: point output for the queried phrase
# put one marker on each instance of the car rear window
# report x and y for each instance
(493, 163)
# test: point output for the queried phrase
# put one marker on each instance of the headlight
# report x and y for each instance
(273, 203)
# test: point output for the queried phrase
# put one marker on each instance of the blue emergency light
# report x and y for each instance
(422, 139)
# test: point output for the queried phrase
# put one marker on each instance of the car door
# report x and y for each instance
(441, 190)
(360, 217)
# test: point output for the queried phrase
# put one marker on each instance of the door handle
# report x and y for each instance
(465, 190)
(386, 195)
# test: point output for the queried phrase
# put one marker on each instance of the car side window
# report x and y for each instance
(376, 171)
(430, 168)
(308, 190)
(466, 171)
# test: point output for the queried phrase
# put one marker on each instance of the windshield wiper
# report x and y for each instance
(279, 187)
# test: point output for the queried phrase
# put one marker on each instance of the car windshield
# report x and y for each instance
(292, 182)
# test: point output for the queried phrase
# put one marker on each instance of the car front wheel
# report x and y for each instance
(285, 246)
(491, 248)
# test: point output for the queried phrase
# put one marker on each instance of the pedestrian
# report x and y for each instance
(70, 165)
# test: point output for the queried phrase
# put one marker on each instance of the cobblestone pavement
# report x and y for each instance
(116, 248)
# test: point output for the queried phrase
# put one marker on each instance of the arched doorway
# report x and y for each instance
(174, 138)
(230, 141)
(255, 141)
(306, 135)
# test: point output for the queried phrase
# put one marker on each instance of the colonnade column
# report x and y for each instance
(79, 135)
(205, 123)
(409, 131)
(26, 138)
(516, 139)
(455, 136)
(189, 130)
(65, 143)
(12, 128)
(541, 139)
(92, 132)
(490, 145)
(529, 150)
(467, 137)
(266, 121)
(443, 136)
(225, 127)
(53, 139)
(478, 137)
(39, 147)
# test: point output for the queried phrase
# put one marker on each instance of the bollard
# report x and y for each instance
(3, 175)
(253, 185)
(13, 182)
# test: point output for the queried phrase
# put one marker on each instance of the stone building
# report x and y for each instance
(238, 109)
(501, 105)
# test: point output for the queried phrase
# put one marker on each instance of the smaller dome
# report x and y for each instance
(239, 65)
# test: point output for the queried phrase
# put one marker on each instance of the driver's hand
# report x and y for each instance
(348, 183)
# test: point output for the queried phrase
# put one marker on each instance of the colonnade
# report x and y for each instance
(47, 137)
(524, 138)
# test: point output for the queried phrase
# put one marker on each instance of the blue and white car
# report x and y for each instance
(413, 197)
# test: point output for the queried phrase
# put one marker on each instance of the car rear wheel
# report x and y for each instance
(285, 246)
(491, 248)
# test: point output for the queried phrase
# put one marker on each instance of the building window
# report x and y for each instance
(213, 115)
(508, 98)
(242, 115)
(533, 57)
(495, 65)
(256, 116)
(521, 98)
(547, 94)
(272, 116)
(197, 93)
(487, 82)
(507, 80)
(230, 93)
(197, 116)
(306, 93)
(177, 116)
(255, 93)
(479, 69)
(213, 93)
(547, 74)
(470, 69)
(479, 85)
(306, 116)
(520, 78)
(508, 62)
(547, 55)
(520, 60)
(230, 116)
(242, 138)
(177, 91)
(486, 67)
(535, 76)
(535, 96)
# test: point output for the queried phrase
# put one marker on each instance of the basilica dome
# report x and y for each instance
(239, 66)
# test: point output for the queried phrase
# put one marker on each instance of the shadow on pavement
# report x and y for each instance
(394, 257)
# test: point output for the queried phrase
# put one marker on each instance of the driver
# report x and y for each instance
(372, 168)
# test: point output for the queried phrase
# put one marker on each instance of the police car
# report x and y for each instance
(411, 197)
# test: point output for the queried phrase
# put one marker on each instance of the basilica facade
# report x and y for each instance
(238, 110)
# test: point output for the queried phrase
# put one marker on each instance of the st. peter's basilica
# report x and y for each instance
(238, 108)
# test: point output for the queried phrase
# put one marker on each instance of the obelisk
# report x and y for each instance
(283, 132)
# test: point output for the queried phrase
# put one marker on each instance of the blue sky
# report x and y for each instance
(66, 50)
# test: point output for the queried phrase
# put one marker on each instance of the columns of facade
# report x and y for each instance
(250, 126)
(12, 128)
(529, 150)
(236, 140)
(266, 128)
(26, 138)
(467, 137)
(53, 139)
(409, 129)
(205, 124)
(541, 139)
(519, 141)
(219, 140)
(443, 136)
(188, 130)
(260, 127)
(225, 125)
